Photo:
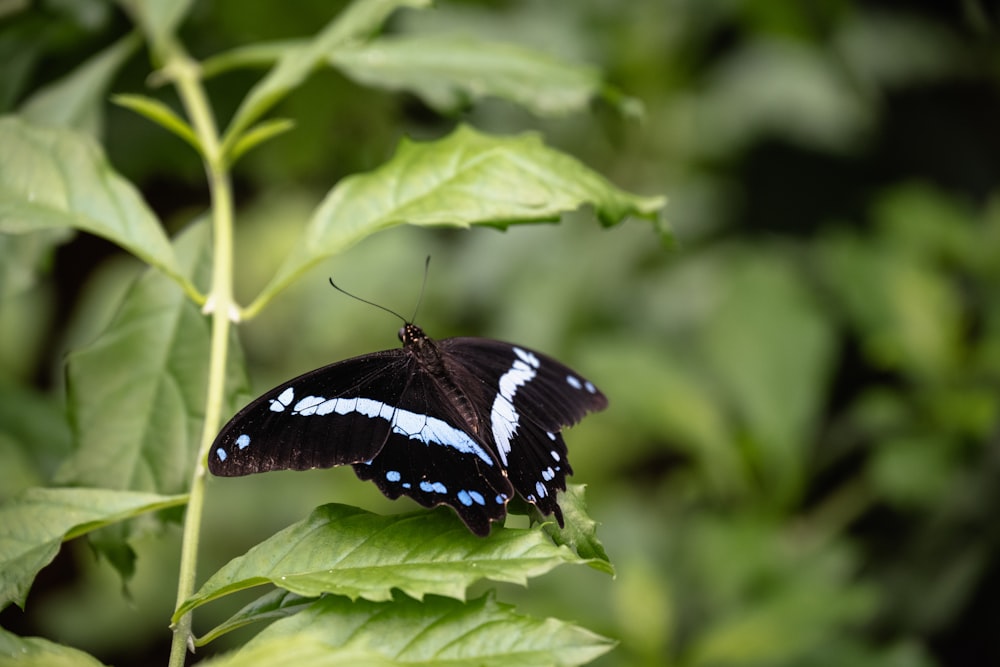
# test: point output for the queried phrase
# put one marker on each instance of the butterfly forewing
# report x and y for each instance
(324, 418)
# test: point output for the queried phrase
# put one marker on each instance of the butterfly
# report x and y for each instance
(465, 422)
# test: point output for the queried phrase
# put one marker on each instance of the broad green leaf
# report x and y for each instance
(659, 393)
(34, 438)
(76, 101)
(358, 21)
(137, 392)
(580, 531)
(35, 522)
(906, 311)
(440, 631)
(161, 114)
(771, 347)
(32, 651)
(52, 177)
(301, 652)
(348, 551)
(464, 179)
(812, 588)
(448, 71)
(781, 88)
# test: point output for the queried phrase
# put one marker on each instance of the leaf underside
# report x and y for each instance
(34, 523)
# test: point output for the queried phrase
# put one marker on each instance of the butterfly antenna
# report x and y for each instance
(370, 303)
(423, 285)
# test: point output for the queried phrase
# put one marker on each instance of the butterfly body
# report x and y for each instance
(466, 422)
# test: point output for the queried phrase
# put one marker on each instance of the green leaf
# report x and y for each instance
(305, 652)
(906, 311)
(157, 18)
(580, 532)
(772, 348)
(781, 88)
(660, 393)
(36, 651)
(55, 178)
(161, 114)
(76, 101)
(348, 551)
(257, 54)
(464, 179)
(812, 587)
(34, 438)
(35, 522)
(258, 134)
(914, 470)
(23, 257)
(273, 605)
(439, 631)
(449, 71)
(136, 393)
(360, 19)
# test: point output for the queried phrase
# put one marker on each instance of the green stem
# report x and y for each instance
(220, 301)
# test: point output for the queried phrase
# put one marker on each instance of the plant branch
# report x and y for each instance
(186, 77)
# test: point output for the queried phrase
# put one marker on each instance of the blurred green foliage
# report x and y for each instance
(800, 463)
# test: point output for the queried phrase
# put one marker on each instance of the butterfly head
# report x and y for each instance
(411, 333)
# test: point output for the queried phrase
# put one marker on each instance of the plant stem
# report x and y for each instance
(220, 300)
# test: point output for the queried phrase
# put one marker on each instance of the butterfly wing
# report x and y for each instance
(532, 397)
(327, 417)
(436, 458)
(467, 435)
(381, 413)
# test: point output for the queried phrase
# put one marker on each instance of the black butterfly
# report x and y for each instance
(462, 421)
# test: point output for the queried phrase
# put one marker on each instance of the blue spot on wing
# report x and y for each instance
(433, 487)
(469, 497)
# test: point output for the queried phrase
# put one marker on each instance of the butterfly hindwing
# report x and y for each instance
(324, 418)
(533, 398)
